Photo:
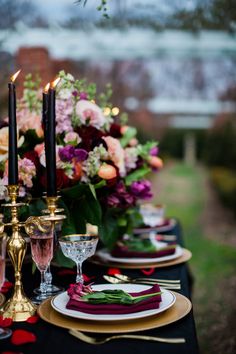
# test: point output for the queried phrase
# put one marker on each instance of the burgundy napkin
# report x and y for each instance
(118, 309)
(122, 251)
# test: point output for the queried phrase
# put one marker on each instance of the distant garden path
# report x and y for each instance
(210, 233)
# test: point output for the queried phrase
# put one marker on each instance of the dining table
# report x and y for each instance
(54, 339)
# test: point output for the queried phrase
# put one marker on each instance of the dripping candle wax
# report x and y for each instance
(50, 140)
(12, 140)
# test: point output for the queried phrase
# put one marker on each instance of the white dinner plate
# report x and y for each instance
(168, 299)
(158, 228)
(105, 255)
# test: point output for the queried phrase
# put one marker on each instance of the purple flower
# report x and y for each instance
(83, 96)
(141, 189)
(121, 198)
(75, 93)
(80, 154)
(154, 151)
(67, 153)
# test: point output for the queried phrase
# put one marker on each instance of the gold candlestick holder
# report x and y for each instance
(19, 307)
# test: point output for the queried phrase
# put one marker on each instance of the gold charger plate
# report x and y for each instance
(2, 299)
(186, 256)
(180, 309)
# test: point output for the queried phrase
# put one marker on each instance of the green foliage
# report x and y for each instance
(220, 147)
(128, 135)
(137, 175)
(224, 181)
(30, 96)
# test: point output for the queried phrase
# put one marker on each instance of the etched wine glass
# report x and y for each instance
(4, 332)
(79, 247)
(42, 253)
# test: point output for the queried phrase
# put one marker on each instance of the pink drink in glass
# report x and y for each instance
(42, 250)
(2, 270)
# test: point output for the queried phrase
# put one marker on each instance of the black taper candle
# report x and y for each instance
(12, 140)
(50, 144)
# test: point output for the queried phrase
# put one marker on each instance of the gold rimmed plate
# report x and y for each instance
(180, 309)
(186, 256)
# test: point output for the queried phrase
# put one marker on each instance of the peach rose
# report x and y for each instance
(4, 143)
(107, 171)
(155, 162)
(116, 153)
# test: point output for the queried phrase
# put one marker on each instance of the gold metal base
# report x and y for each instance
(19, 308)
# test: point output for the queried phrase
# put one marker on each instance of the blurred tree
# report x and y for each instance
(13, 11)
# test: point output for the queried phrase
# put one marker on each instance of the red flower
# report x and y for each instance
(90, 137)
(115, 130)
(62, 180)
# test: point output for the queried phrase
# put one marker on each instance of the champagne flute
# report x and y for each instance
(4, 332)
(79, 247)
(51, 288)
(42, 253)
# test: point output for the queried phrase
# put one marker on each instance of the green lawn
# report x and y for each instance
(182, 190)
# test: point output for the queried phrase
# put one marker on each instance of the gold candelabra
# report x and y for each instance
(19, 307)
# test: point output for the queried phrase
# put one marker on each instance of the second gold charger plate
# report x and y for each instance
(180, 309)
(186, 256)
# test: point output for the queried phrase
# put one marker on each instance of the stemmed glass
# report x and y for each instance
(52, 289)
(79, 247)
(42, 253)
(4, 332)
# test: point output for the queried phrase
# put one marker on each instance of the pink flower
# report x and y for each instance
(116, 153)
(72, 138)
(131, 158)
(90, 113)
(29, 120)
(27, 171)
(64, 110)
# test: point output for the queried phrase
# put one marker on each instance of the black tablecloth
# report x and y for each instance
(52, 339)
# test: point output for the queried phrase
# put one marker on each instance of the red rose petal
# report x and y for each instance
(8, 284)
(113, 271)
(149, 271)
(5, 322)
(33, 319)
(87, 279)
(20, 336)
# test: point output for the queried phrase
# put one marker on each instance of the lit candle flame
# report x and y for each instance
(46, 88)
(13, 77)
(55, 82)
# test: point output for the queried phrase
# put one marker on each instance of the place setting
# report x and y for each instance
(110, 308)
(146, 247)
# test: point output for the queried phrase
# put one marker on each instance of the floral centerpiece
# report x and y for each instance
(101, 166)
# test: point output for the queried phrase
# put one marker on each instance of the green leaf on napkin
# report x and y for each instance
(115, 297)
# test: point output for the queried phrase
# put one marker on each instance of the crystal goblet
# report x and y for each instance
(42, 253)
(79, 247)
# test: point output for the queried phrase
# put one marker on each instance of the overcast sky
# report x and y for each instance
(60, 9)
